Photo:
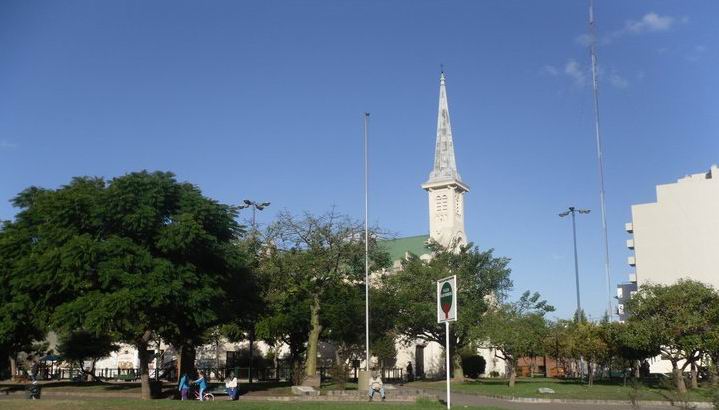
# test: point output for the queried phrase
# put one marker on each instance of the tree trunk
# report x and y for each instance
(13, 366)
(590, 373)
(678, 378)
(546, 368)
(635, 368)
(250, 359)
(695, 376)
(186, 361)
(141, 345)
(313, 342)
(512, 373)
(457, 370)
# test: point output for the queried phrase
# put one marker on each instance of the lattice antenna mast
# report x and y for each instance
(600, 156)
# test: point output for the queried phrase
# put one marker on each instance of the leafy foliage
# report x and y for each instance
(132, 257)
(481, 280)
(677, 320)
(309, 256)
(78, 346)
(517, 330)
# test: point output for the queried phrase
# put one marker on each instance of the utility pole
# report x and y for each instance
(255, 207)
(572, 210)
(366, 244)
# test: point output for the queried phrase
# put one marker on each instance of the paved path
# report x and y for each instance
(460, 399)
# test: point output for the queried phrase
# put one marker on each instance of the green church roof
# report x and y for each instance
(397, 248)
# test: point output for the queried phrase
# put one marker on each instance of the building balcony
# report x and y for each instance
(633, 277)
(630, 243)
(629, 227)
(632, 261)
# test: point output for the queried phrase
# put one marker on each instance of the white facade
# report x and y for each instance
(678, 236)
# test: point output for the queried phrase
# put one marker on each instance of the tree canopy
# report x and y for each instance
(310, 254)
(482, 279)
(136, 256)
(516, 330)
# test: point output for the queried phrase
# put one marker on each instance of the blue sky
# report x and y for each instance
(264, 100)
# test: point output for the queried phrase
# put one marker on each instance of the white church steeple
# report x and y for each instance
(444, 186)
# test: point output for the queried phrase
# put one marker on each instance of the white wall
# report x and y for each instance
(678, 236)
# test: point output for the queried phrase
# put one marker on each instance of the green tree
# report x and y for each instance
(677, 319)
(557, 343)
(588, 341)
(287, 321)
(23, 313)
(134, 257)
(481, 280)
(628, 346)
(517, 330)
(79, 346)
(309, 254)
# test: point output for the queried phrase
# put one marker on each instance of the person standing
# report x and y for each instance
(34, 368)
(375, 385)
(184, 386)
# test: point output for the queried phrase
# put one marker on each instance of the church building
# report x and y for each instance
(445, 191)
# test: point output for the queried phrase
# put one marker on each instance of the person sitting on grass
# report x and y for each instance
(201, 385)
(184, 386)
(231, 385)
(375, 385)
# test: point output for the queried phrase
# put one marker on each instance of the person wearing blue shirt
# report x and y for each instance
(184, 386)
(202, 385)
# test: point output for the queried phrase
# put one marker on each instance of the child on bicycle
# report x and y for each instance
(201, 385)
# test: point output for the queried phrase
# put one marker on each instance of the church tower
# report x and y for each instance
(444, 186)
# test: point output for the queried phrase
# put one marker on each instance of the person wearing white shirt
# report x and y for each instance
(231, 385)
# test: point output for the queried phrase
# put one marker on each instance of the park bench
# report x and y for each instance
(127, 377)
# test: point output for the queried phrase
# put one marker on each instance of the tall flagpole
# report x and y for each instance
(600, 156)
(366, 246)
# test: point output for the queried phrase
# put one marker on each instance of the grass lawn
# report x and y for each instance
(565, 389)
(122, 404)
(254, 389)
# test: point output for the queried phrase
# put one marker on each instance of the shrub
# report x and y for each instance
(473, 366)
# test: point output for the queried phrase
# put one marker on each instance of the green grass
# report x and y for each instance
(123, 404)
(565, 389)
(256, 389)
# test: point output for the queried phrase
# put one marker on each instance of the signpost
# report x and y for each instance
(447, 312)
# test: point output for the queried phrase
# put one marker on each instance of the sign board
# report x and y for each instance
(447, 299)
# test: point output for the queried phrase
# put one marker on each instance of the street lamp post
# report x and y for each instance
(255, 207)
(572, 210)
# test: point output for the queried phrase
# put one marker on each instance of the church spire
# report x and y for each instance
(445, 166)
(444, 187)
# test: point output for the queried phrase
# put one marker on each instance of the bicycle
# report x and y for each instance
(207, 396)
